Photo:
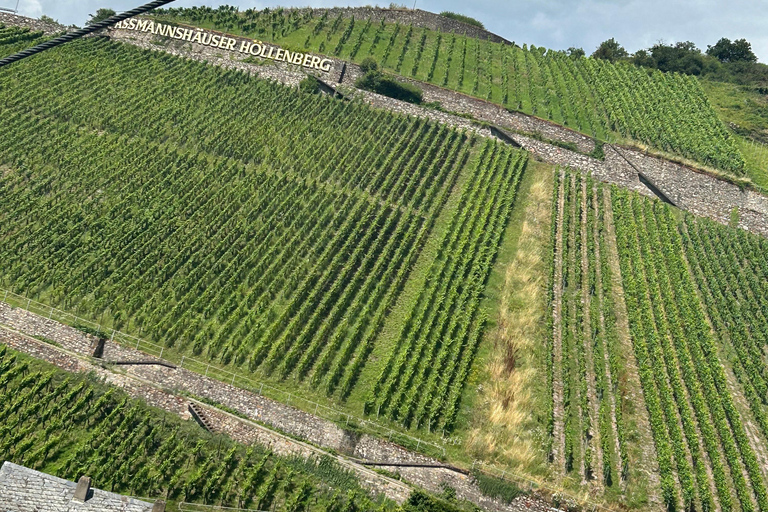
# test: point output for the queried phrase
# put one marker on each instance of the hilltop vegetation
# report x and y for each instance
(608, 101)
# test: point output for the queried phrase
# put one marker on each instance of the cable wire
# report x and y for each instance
(52, 43)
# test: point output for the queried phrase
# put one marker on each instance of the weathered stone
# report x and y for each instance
(319, 431)
(83, 489)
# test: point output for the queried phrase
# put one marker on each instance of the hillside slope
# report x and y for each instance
(431, 279)
(248, 223)
(610, 102)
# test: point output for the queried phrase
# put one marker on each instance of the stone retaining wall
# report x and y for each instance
(7, 18)
(161, 386)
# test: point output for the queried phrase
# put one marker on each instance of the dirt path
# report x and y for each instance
(558, 443)
(586, 304)
(646, 460)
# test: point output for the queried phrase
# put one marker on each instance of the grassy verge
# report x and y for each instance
(504, 426)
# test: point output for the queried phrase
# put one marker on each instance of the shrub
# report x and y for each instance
(369, 64)
(462, 18)
(420, 501)
(310, 85)
(497, 488)
(381, 83)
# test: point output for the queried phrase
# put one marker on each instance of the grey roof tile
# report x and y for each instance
(26, 490)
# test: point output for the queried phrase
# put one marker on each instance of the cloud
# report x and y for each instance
(31, 8)
(555, 24)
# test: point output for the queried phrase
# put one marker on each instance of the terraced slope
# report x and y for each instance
(669, 112)
(69, 426)
(694, 294)
(238, 220)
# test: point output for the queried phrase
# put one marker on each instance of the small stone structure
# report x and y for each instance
(25, 490)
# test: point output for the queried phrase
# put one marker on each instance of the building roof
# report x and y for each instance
(26, 490)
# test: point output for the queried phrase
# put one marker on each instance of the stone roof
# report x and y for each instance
(26, 490)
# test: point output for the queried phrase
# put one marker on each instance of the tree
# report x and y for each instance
(47, 19)
(369, 64)
(739, 50)
(644, 59)
(576, 53)
(101, 15)
(682, 57)
(610, 50)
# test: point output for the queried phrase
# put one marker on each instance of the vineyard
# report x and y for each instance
(245, 222)
(586, 430)
(442, 331)
(669, 112)
(69, 426)
(389, 266)
(694, 316)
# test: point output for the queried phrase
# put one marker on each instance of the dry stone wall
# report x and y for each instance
(7, 18)
(161, 386)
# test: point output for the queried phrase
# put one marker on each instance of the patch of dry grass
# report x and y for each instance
(506, 432)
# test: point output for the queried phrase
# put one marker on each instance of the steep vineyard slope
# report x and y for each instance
(693, 292)
(243, 221)
(69, 426)
(666, 111)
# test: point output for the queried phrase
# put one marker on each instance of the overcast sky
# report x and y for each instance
(554, 24)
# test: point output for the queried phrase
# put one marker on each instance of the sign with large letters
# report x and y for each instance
(217, 40)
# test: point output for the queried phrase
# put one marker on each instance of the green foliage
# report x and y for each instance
(726, 51)
(388, 85)
(244, 236)
(493, 487)
(420, 501)
(309, 85)
(369, 64)
(69, 426)
(47, 19)
(101, 15)
(576, 53)
(682, 57)
(463, 18)
(422, 381)
(667, 267)
(610, 50)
